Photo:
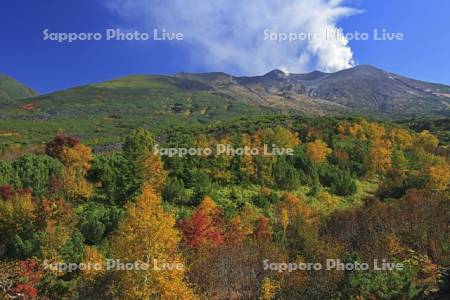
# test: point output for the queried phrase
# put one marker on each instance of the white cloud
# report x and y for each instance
(229, 36)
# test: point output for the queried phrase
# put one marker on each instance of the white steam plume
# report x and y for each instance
(229, 35)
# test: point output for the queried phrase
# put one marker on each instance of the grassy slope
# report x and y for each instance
(10, 89)
(101, 113)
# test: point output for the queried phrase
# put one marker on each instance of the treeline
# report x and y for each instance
(353, 190)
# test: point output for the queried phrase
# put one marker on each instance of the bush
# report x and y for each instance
(96, 221)
(8, 175)
(202, 185)
(265, 198)
(34, 172)
(175, 192)
(339, 181)
(343, 184)
(114, 177)
(285, 175)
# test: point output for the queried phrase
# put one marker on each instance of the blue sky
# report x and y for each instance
(219, 36)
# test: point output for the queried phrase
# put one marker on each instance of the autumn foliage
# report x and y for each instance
(148, 233)
(208, 225)
(203, 228)
(317, 151)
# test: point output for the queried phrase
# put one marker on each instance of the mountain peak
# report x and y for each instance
(277, 73)
(366, 68)
(310, 76)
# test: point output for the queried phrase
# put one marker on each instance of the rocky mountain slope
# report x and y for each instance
(362, 89)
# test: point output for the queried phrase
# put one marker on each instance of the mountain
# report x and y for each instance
(104, 111)
(363, 89)
(10, 89)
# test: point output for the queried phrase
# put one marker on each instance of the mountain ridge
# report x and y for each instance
(363, 89)
(113, 107)
(358, 88)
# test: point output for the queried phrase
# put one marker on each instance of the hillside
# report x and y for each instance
(10, 89)
(103, 112)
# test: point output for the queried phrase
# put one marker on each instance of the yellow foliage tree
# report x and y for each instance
(249, 216)
(381, 155)
(268, 289)
(201, 141)
(242, 225)
(317, 151)
(314, 134)
(284, 218)
(425, 140)
(15, 212)
(329, 201)
(393, 245)
(439, 176)
(247, 160)
(401, 138)
(148, 232)
(77, 161)
(53, 241)
(290, 207)
(222, 171)
(374, 130)
(60, 221)
(283, 137)
(92, 257)
(154, 173)
(207, 206)
(235, 232)
(354, 130)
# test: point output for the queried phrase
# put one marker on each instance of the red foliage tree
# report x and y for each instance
(6, 191)
(31, 273)
(204, 227)
(263, 229)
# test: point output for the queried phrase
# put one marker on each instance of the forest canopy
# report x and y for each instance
(353, 190)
